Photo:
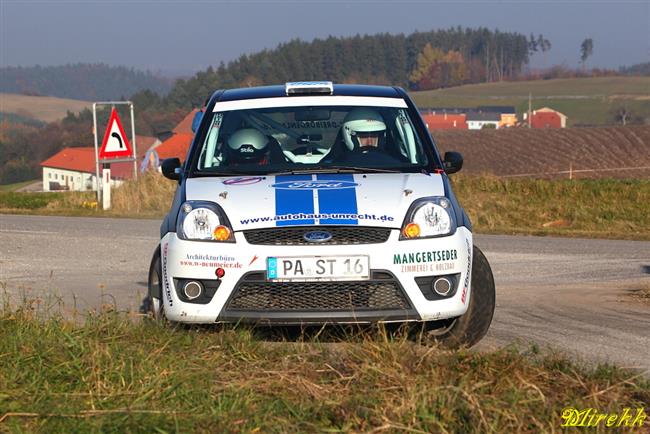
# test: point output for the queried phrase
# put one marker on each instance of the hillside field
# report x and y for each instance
(577, 153)
(43, 108)
(586, 101)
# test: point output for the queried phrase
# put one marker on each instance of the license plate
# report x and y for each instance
(318, 268)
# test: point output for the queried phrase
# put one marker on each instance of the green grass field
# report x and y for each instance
(16, 186)
(586, 101)
(603, 208)
(115, 373)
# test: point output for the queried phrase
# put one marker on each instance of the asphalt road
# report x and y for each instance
(562, 293)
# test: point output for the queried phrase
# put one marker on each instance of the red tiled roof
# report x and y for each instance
(176, 146)
(185, 126)
(83, 160)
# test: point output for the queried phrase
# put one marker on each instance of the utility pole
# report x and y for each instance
(487, 64)
(530, 113)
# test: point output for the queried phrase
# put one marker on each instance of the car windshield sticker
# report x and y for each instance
(294, 201)
(217, 120)
(340, 201)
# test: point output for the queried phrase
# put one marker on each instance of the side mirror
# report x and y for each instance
(170, 168)
(452, 162)
(198, 116)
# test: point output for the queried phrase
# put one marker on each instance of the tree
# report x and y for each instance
(543, 43)
(624, 116)
(586, 50)
(532, 45)
(436, 69)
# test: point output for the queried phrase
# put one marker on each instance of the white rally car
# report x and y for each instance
(314, 203)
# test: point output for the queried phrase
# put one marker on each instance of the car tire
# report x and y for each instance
(468, 329)
(153, 303)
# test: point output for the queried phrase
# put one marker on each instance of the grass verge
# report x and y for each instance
(148, 197)
(604, 208)
(116, 374)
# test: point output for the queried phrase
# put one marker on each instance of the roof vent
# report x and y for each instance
(309, 88)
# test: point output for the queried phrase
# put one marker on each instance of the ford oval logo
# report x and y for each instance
(317, 237)
(314, 185)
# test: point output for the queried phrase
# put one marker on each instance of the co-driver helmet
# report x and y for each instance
(247, 146)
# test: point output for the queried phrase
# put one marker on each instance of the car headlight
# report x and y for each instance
(429, 217)
(203, 221)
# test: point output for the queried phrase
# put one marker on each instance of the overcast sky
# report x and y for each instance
(181, 37)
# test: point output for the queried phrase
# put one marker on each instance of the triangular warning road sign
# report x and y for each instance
(115, 143)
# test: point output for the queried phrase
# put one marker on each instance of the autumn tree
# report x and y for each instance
(436, 69)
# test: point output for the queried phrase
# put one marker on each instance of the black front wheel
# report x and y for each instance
(152, 304)
(469, 328)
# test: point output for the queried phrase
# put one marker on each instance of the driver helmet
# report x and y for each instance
(364, 128)
(247, 146)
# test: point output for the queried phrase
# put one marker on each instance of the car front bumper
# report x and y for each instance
(398, 289)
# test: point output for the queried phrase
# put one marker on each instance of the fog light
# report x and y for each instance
(442, 285)
(192, 289)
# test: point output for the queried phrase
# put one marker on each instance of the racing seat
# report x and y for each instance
(276, 156)
(338, 152)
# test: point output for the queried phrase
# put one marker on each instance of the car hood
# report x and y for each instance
(252, 202)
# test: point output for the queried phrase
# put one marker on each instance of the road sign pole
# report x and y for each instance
(106, 186)
(135, 158)
(96, 152)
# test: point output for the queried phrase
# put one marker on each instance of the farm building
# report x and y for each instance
(479, 120)
(508, 114)
(547, 118)
(445, 121)
(175, 145)
(73, 169)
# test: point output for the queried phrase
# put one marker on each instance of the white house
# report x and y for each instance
(478, 120)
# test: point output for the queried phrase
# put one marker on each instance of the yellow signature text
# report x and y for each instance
(591, 417)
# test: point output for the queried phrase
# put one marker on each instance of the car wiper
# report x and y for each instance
(335, 169)
(365, 169)
(313, 170)
(205, 173)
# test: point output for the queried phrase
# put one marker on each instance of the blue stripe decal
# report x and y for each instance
(294, 201)
(338, 201)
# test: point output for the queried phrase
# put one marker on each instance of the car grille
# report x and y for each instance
(341, 235)
(383, 292)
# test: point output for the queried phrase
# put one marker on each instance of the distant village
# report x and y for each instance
(73, 169)
(494, 117)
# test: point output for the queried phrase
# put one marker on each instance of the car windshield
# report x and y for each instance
(296, 138)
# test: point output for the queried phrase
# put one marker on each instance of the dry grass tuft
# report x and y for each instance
(149, 196)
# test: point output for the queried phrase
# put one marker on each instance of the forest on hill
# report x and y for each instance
(419, 61)
(84, 81)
